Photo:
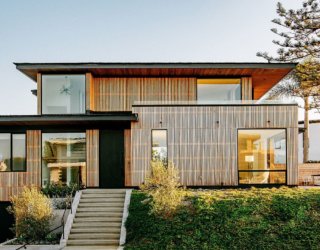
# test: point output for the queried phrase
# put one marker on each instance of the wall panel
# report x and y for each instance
(92, 141)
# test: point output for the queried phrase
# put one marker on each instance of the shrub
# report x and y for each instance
(59, 190)
(162, 184)
(33, 214)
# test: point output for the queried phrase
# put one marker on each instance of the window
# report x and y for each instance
(64, 158)
(218, 89)
(262, 156)
(12, 152)
(159, 150)
(63, 94)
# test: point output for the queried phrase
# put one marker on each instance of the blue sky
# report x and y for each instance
(127, 31)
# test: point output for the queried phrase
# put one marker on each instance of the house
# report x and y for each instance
(100, 125)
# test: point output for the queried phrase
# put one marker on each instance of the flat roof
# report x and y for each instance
(264, 75)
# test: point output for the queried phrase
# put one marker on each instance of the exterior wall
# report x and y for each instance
(306, 171)
(202, 140)
(11, 183)
(92, 144)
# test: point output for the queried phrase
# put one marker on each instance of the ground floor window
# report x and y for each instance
(159, 151)
(12, 152)
(64, 158)
(262, 156)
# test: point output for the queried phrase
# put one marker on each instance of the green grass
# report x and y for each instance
(230, 219)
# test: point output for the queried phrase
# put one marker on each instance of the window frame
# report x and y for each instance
(224, 78)
(11, 152)
(166, 142)
(64, 74)
(269, 171)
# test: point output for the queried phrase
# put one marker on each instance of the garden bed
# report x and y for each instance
(230, 219)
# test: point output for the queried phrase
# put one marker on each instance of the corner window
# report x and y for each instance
(262, 156)
(218, 89)
(12, 152)
(159, 150)
(63, 94)
(64, 158)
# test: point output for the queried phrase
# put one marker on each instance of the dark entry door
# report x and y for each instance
(111, 172)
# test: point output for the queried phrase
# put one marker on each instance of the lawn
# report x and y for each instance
(284, 218)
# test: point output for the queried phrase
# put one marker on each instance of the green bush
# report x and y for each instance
(59, 190)
(230, 219)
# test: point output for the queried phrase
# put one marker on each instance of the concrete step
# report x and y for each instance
(101, 200)
(101, 204)
(110, 213)
(95, 230)
(99, 190)
(96, 224)
(98, 219)
(93, 242)
(100, 209)
(106, 236)
(101, 196)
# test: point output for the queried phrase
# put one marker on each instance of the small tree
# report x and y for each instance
(33, 214)
(162, 184)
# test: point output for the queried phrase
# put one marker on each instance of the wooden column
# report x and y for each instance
(246, 88)
(39, 94)
(92, 142)
(89, 92)
(127, 157)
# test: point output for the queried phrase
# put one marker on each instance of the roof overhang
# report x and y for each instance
(264, 75)
(68, 120)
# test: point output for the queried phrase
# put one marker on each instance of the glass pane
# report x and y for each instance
(63, 94)
(219, 89)
(64, 158)
(262, 177)
(159, 145)
(19, 152)
(260, 149)
(5, 152)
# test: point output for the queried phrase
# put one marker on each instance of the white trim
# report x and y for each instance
(123, 232)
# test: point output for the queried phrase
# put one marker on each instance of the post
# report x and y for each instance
(306, 130)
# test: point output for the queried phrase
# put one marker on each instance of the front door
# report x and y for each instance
(111, 151)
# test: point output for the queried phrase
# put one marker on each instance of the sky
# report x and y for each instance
(127, 31)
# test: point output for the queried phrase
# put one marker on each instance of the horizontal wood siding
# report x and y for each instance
(118, 94)
(92, 142)
(11, 183)
(202, 141)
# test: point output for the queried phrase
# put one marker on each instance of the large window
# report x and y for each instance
(12, 152)
(159, 145)
(63, 94)
(262, 156)
(64, 158)
(218, 89)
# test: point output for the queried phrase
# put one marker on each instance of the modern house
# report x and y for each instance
(100, 125)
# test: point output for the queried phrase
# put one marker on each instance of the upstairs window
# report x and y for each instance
(63, 94)
(218, 89)
(12, 152)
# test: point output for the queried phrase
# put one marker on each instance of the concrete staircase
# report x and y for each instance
(98, 218)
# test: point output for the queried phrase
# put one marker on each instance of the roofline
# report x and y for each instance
(132, 65)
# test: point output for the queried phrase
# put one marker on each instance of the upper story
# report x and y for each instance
(84, 88)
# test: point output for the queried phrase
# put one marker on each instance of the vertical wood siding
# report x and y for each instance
(11, 183)
(127, 157)
(246, 88)
(39, 93)
(92, 142)
(88, 90)
(202, 140)
(118, 94)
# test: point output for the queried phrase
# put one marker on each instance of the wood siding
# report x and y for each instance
(89, 85)
(39, 93)
(92, 141)
(11, 183)
(118, 94)
(127, 157)
(246, 88)
(202, 140)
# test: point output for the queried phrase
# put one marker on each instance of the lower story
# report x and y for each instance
(211, 145)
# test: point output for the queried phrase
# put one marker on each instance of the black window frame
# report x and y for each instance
(11, 152)
(64, 74)
(156, 129)
(251, 171)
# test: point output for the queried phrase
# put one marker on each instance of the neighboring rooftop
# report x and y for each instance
(264, 75)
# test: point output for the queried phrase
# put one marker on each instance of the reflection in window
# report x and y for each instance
(159, 145)
(218, 89)
(262, 156)
(64, 158)
(5, 152)
(19, 152)
(63, 94)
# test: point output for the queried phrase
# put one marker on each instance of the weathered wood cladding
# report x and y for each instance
(92, 142)
(127, 157)
(202, 140)
(89, 92)
(118, 94)
(11, 183)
